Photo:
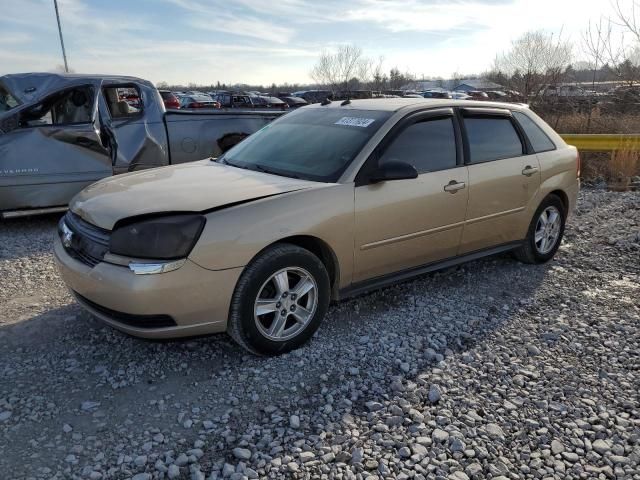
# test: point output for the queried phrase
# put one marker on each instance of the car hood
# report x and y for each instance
(190, 187)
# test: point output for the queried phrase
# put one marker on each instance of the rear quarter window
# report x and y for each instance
(537, 138)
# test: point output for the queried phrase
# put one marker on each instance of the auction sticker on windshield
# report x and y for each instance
(355, 122)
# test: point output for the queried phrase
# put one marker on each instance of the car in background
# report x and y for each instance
(314, 96)
(258, 241)
(275, 102)
(459, 96)
(497, 95)
(477, 95)
(198, 101)
(294, 102)
(169, 99)
(353, 95)
(436, 94)
(236, 100)
(258, 101)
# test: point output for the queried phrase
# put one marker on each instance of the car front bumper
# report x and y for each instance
(185, 302)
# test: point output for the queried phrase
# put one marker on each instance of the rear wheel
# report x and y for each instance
(545, 232)
(280, 300)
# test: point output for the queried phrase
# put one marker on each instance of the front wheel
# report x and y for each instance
(545, 232)
(279, 301)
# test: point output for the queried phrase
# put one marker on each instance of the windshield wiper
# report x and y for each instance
(262, 169)
(224, 161)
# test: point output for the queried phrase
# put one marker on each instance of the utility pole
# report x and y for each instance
(64, 53)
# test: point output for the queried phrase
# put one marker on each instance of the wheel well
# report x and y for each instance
(563, 198)
(321, 250)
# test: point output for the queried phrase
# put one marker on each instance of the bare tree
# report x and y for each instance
(337, 69)
(627, 15)
(596, 42)
(607, 46)
(535, 60)
(378, 77)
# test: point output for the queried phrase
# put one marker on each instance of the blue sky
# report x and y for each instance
(258, 41)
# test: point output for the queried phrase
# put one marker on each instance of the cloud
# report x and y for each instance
(254, 41)
(225, 18)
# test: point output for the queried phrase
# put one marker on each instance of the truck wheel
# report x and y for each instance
(279, 301)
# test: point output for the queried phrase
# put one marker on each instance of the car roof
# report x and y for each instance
(396, 104)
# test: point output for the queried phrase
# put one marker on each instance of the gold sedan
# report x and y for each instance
(328, 201)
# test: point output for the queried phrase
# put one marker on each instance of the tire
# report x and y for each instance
(277, 274)
(531, 251)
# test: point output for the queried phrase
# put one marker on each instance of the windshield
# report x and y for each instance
(7, 101)
(313, 144)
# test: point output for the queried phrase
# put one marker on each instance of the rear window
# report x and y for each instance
(492, 138)
(7, 101)
(538, 139)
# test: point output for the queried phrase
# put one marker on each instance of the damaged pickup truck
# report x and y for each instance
(60, 133)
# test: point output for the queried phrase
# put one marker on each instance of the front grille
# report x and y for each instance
(138, 321)
(87, 243)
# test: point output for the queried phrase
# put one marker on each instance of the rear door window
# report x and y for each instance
(428, 145)
(123, 101)
(538, 139)
(492, 138)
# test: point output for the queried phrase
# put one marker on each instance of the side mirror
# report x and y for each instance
(393, 170)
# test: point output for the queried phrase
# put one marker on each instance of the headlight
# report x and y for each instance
(162, 238)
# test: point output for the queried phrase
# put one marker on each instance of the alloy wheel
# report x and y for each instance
(547, 230)
(286, 303)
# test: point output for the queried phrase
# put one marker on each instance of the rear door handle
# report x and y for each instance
(453, 186)
(529, 170)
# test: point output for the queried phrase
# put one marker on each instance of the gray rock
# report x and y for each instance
(494, 431)
(601, 446)
(294, 421)
(357, 455)
(457, 445)
(439, 435)
(557, 447)
(142, 476)
(173, 472)
(242, 453)
(434, 394)
(570, 456)
(306, 456)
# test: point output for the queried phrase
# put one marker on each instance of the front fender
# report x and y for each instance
(233, 236)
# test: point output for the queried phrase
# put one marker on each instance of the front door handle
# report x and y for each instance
(453, 186)
(529, 170)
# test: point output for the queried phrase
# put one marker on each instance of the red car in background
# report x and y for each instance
(169, 99)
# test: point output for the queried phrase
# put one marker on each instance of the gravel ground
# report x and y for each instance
(490, 370)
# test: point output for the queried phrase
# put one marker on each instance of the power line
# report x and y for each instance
(64, 53)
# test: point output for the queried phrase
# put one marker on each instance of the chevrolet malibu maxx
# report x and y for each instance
(326, 202)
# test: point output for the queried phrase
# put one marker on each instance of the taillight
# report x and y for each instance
(578, 164)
